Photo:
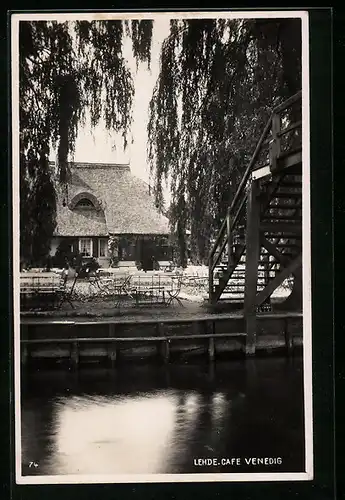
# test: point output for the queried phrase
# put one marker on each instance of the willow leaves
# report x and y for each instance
(217, 84)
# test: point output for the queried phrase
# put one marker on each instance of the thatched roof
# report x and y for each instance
(122, 203)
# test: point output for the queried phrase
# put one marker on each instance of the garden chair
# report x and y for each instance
(120, 286)
(148, 288)
(174, 291)
(99, 286)
(66, 293)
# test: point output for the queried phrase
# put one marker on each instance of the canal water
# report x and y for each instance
(243, 416)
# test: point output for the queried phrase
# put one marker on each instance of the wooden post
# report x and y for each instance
(166, 352)
(112, 351)
(112, 354)
(24, 332)
(196, 327)
(24, 354)
(251, 374)
(211, 371)
(252, 262)
(288, 337)
(24, 351)
(229, 242)
(275, 146)
(210, 281)
(75, 355)
(164, 347)
(211, 344)
(211, 349)
(158, 344)
(111, 330)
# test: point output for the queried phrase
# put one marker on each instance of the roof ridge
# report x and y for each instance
(125, 166)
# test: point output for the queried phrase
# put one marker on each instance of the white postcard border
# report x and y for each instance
(306, 249)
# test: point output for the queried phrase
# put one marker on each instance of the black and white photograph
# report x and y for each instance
(161, 246)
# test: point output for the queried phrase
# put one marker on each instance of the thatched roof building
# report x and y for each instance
(104, 199)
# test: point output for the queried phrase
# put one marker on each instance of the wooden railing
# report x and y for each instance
(278, 131)
(271, 137)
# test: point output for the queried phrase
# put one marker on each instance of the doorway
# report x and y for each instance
(148, 255)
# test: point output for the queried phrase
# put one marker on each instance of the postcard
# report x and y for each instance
(161, 229)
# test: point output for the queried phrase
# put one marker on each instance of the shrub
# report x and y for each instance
(113, 246)
(86, 266)
(64, 256)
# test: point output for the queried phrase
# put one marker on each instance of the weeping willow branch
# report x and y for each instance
(67, 69)
(216, 87)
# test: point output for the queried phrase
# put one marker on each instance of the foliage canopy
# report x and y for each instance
(66, 70)
(217, 83)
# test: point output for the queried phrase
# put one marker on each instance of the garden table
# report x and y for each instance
(45, 287)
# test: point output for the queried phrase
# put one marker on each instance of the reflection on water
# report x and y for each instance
(105, 435)
(161, 420)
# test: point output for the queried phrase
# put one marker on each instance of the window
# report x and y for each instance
(103, 248)
(85, 247)
(85, 203)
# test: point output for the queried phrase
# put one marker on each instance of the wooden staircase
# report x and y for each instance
(259, 244)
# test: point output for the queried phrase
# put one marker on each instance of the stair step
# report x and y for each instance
(280, 194)
(281, 217)
(273, 236)
(284, 217)
(279, 206)
(291, 184)
(240, 286)
(294, 200)
(287, 245)
(272, 217)
(261, 269)
(289, 176)
(261, 283)
(239, 282)
(240, 290)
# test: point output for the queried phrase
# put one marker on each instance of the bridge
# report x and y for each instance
(259, 244)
